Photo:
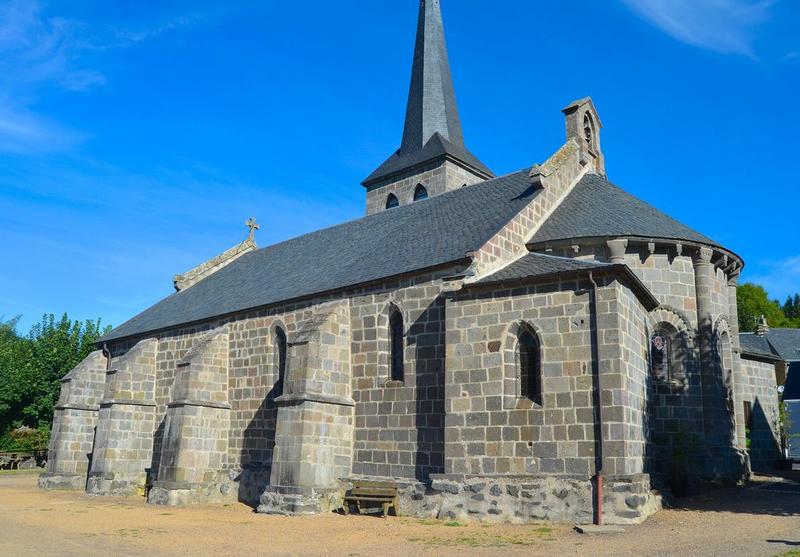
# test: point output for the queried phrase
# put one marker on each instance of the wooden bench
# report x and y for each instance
(374, 492)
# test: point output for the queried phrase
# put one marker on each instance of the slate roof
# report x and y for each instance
(538, 265)
(782, 343)
(432, 124)
(435, 148)
(409, 238)
(597, 208)
(757, 346)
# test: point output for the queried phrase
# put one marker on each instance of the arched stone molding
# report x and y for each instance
(512, 396)
(74, 422)
(675, 317)
(682, 336)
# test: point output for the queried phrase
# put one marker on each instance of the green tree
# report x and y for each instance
(31, 367)
(753, 302)
(791, 308)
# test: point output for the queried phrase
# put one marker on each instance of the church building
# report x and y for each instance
(535, 346)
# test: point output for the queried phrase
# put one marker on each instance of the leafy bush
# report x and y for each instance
(25, 439)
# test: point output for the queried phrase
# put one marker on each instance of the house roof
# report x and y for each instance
(597, 208)
(782, 343)
(409, 238)
(756, 345)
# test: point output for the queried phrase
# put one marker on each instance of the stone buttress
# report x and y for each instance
(314, 437)
(70, 450)
(124, 442)
(194, 451)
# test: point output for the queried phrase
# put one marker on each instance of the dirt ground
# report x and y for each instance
(763, 519)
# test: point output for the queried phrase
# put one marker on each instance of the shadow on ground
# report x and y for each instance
(777, 495)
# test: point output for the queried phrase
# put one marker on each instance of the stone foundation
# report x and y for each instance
(221, 490)
(299, 501)
(525, 499)
(73, 482)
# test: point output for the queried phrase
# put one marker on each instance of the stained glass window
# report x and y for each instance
(660, 356)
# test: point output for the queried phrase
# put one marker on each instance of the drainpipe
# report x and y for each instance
(597, 402)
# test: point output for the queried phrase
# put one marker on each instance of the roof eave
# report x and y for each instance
(466, 261)
(647, 298)
(374, 178)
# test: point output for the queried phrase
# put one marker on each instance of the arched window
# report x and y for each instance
(392, 201)
(420, 193)
(661, 355)
(529, 366)
(588, 130)
(279, 359)
(396, 343)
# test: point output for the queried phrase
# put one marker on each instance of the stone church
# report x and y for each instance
(504, 348)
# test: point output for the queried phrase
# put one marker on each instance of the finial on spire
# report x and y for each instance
(253, 226)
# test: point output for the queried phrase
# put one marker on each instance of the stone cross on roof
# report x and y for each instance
(253, 226)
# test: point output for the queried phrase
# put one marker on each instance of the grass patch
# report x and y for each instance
(790, 553)
(36, 471)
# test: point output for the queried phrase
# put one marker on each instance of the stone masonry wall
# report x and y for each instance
(438, 177)
(194, 448)
(757, 386)
(676, 410)
(558, 437)
(627, 418)
(124, 441)
(387, 439)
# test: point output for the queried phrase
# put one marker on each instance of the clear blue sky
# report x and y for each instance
(136, 138)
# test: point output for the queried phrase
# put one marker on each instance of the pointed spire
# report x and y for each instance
(432, 127)
(431, 99)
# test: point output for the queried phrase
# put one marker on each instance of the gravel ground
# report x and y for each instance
(762, 519)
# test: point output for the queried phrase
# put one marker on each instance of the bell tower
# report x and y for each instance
(432, 157)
